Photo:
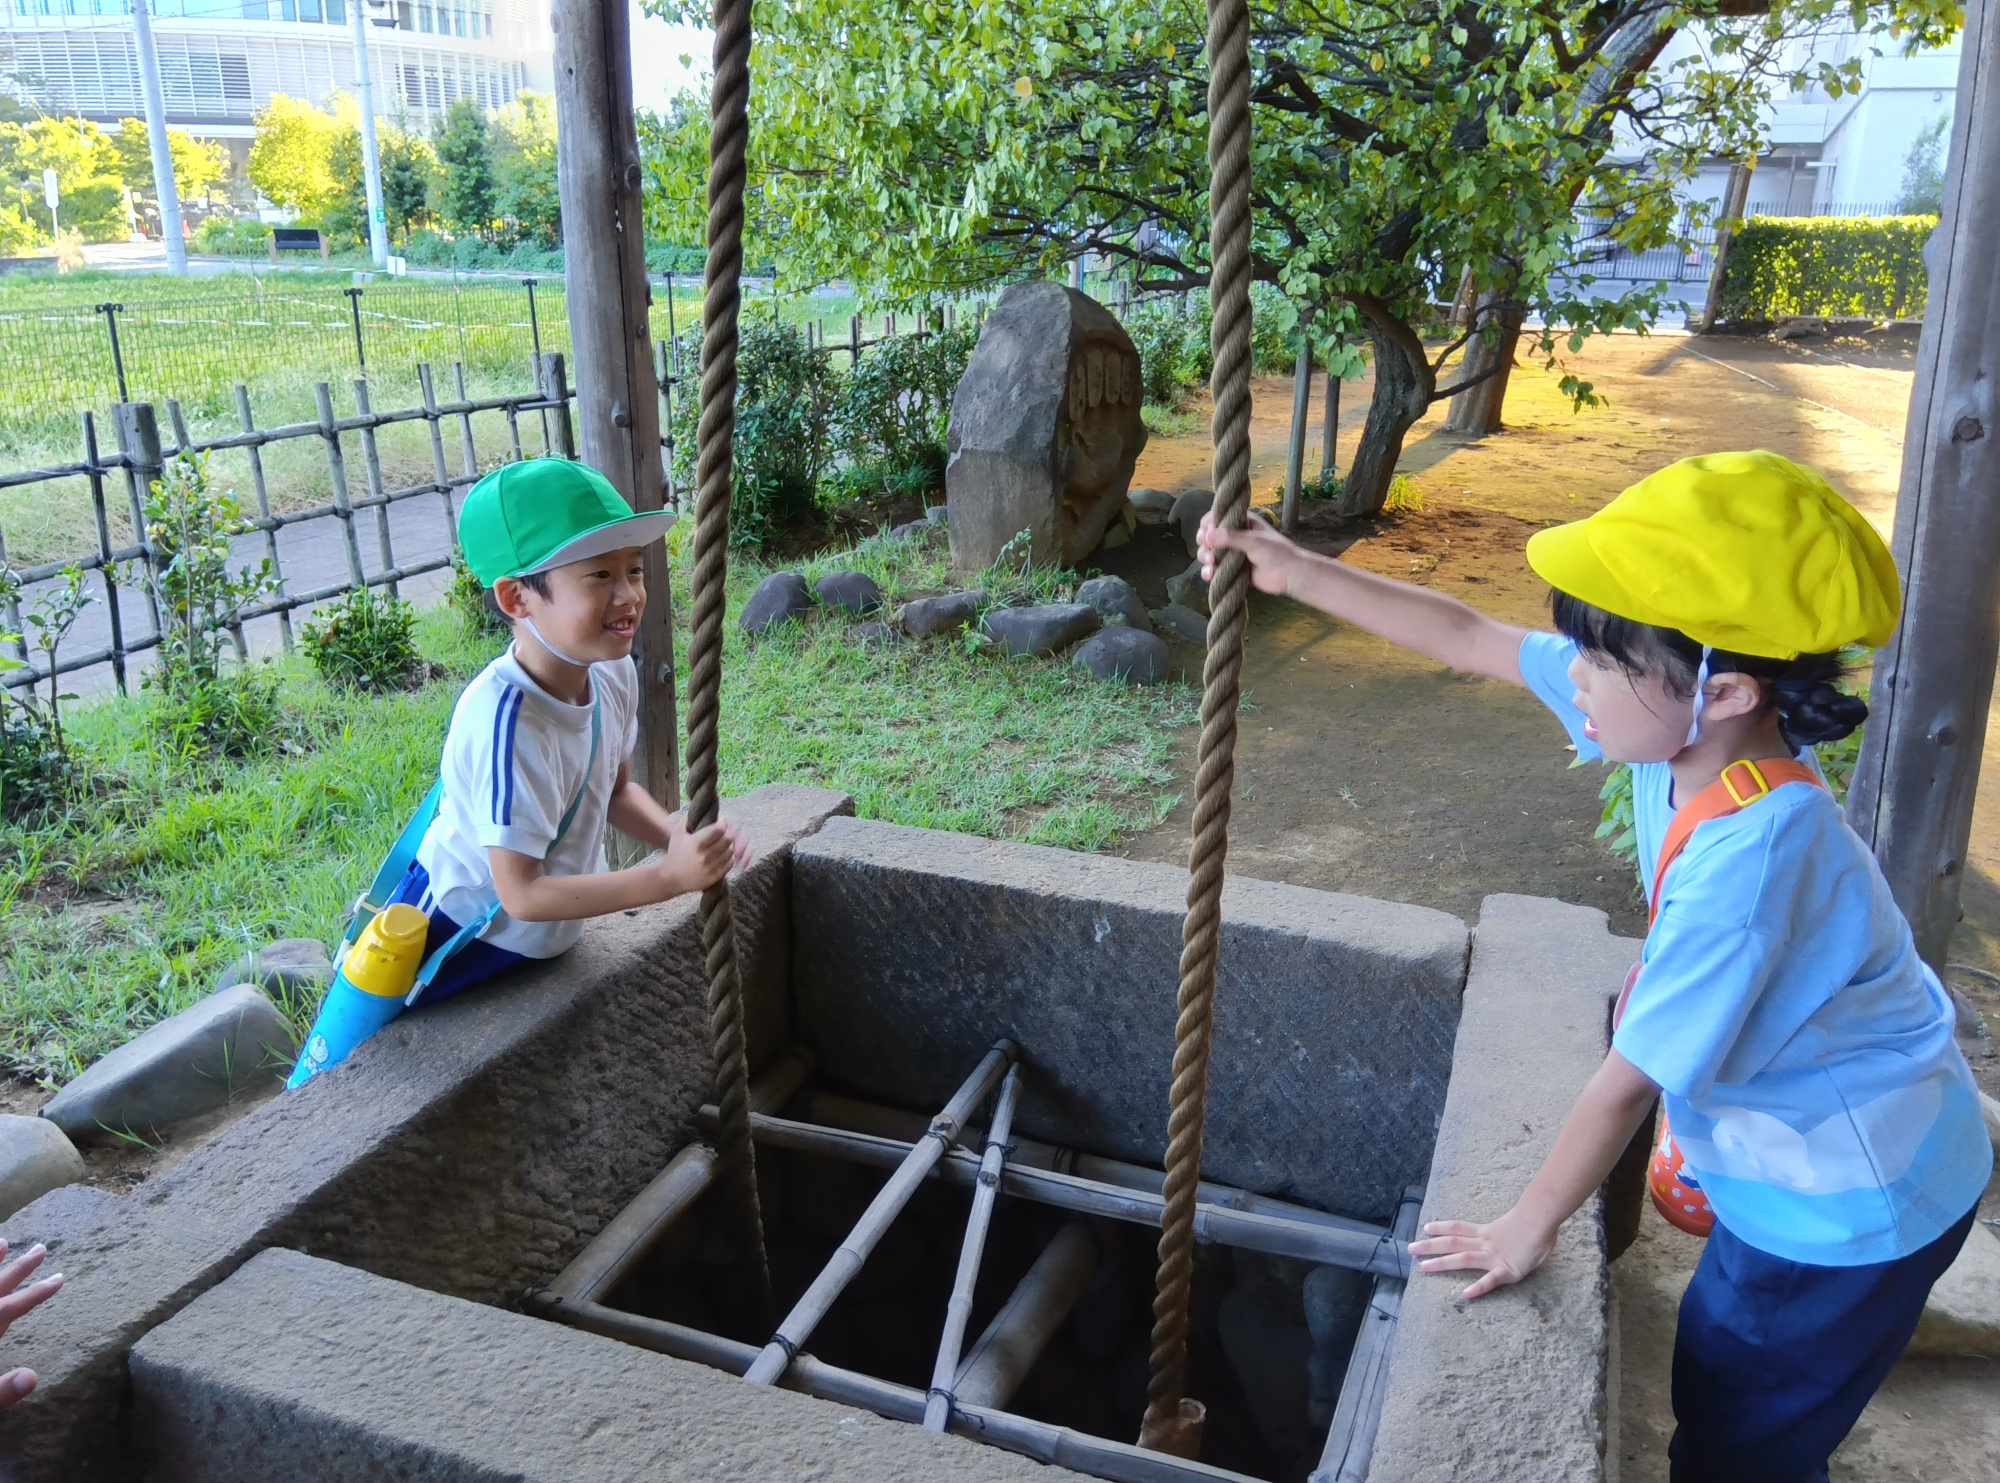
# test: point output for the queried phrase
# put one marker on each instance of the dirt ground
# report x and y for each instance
(1362, 768)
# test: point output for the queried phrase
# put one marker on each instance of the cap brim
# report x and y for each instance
(1562, 557)
(614, 535)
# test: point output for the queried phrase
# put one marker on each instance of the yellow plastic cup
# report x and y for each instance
(386, 956)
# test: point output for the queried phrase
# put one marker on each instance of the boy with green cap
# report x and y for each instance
(535, 764)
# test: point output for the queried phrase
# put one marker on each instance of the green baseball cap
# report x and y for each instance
(546, 512)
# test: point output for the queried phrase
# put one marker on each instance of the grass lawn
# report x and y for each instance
(122, 910)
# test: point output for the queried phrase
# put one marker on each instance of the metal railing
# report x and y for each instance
(142, 456)
(1690, 258)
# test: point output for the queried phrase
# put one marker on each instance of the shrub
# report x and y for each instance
(35, 764)
(34, 773)
(784, 410)
(467, 596)
(891, 412)
(1843, 267)
(1171, 336)
(238, 235)
(366, 641)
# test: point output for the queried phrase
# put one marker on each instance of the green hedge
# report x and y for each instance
(1852, 267)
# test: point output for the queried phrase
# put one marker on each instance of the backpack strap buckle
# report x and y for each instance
(1757, 782)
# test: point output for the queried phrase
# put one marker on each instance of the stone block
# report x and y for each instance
(848, 592)
(780, 598)
(1962, 1316)
(233, 1043)
(35, 1157)
(297, 1368)
(1515, 1385)
(1114, 598)
(946, 614)
(288, 965)
(1044, 430)
(1128, 654)
(938, 514)
(1188, 590)
(1185, 515)
(1334, 1014)
(1041, 631)
(874, 635)
(471, 1147)
(1151, 506)
(1182, 623)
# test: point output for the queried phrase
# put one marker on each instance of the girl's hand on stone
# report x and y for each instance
(1272, 558)
(1508, 1249)
(17, 1297)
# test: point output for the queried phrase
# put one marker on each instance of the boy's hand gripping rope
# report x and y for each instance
(729, 128)
(1166, 1427)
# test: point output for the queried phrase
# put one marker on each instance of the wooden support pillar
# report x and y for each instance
(1735, 201)
(1913, 788)
(598, 177)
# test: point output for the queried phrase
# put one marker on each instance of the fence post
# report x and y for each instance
(555, 385)
(465, 447)
(256, 452)
(667, 425)
(110, 313)
(336, 472)
(107, 569)
(371, 461)
(138, 433)
(1736, 196)
(354, 303)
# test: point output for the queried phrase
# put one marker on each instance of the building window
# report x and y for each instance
(309, 10)
(236, 83)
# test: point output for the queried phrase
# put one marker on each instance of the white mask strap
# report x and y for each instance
(1700, 692)
(585, 664)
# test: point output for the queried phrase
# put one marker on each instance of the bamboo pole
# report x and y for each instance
(1350, 1440)
(916, 1163)
(1022, 1328)
(263, 493)
(371, 462)
(958, 1312)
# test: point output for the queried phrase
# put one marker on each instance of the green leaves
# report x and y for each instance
(1848, 267)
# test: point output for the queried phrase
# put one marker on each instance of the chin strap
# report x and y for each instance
(1700, 690)
(585, 664)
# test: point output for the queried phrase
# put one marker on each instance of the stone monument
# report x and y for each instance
(1045, 429)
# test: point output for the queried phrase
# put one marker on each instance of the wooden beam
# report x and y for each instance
(598, 179)
(1913, 788)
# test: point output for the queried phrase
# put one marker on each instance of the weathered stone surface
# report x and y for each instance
(1182, 623)
(288, 964)
(1137, 658)
(1334, 1299)
(779, 599)
(916, 528)
(471, 1147)
(1270, 1353)
(848, 592)
(1044, 430)
(1186, 512)
(1334, 1014)
(1114, 598)
(1514, 1385)
(1041, 631)
(297, 1368)
(1189, 590)
(204, 1058)
(873, 635)
(1962, 1316)
(946, 614)
(1151, 506)
(35, 1157)
(938, 514)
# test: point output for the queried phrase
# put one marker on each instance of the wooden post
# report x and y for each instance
(1329, 434)
(1913, 788)
(1735, 197)
(1295, 456)
(618, 407)
(555, 383)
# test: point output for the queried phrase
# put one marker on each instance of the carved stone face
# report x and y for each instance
(1097, 440)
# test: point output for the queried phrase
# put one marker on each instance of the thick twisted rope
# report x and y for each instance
(729, 128)
(1215, 773)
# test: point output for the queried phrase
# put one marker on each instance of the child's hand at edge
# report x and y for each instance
(1273, 559)
(17, 1299)
(1508, 1249)
(694, 862)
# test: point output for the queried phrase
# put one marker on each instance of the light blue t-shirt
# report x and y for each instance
(1805, 1051)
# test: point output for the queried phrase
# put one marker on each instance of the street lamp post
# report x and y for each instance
(371, 158)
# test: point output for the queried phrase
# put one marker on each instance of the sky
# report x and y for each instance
(657, 49)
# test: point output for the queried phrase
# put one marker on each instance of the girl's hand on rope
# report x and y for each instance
(1273, 559)
(1508, 1249)
(694, 862)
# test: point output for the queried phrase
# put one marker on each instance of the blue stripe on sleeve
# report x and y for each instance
(513, 719)
(493, 769)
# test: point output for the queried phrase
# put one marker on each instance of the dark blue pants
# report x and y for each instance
(472, 964)
(1774, 1360)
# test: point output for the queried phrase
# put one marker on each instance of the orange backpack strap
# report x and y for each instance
(1742, 783)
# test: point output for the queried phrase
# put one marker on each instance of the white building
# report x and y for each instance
(221, 60)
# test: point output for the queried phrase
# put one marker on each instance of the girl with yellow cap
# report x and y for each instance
(1822, 1124)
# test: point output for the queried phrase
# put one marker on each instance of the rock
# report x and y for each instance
(1186, 512)
(779, 599)
(1334, 1298)
(1041, 631)
(938, 514)
(1182, 623)
(1189, 590)
(1115, 599)
(869, 635)
(1962, 1314)
(848, 592)
(1120, 534)
(1270, 1356)
(1151, 506)
(1991, 1110)
(1974, 1040)
(947, 614)
(1045, 429)
(290, 964)
(35, 1158)
(1804, 327)
(1136, 656)
(914, 528)
(232, 1043)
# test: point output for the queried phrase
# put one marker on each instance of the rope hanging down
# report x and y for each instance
(729, 128)
(1166, 1427)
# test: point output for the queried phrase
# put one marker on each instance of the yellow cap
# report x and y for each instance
(1747, 552)
(386, 956)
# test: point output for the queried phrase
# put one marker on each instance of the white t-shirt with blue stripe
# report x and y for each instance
(514, 759)
(1805, 1052)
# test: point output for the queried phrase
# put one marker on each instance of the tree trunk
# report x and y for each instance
(1403, 389)
(1476, 410)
